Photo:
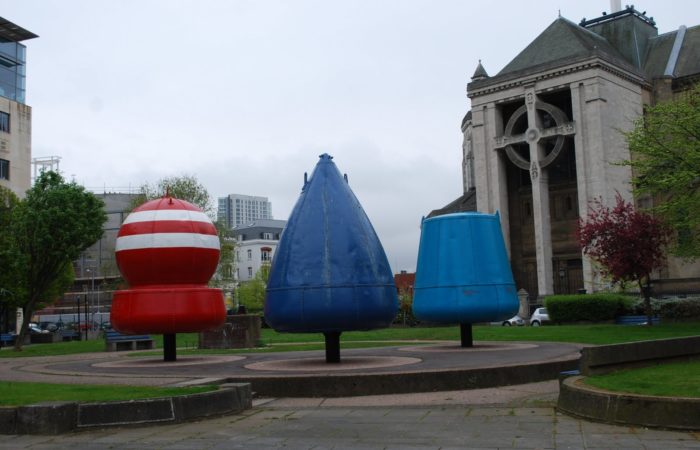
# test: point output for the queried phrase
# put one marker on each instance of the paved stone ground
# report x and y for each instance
(512, 417)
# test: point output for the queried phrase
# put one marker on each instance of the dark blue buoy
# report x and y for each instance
(330, 273)
(463, 274)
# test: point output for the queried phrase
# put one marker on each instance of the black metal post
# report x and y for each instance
(332, 346)
(465, 332)
(169, 348)
(86, 318)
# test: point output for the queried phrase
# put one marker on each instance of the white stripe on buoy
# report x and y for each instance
(167, 214)
(167, 240)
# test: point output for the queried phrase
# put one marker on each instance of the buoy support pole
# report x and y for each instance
(465, 332)
(169, 349)
(332, 346)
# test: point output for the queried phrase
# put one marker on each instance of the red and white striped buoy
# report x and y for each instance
(167, 250)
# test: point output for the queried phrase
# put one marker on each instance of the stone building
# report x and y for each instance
(256, 243)
(543, 136)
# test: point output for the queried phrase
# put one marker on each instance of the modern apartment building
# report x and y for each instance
(15, 114)
(235, 210)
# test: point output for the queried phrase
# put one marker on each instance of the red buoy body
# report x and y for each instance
(167, 250)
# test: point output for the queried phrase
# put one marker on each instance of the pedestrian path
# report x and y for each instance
(509, 417)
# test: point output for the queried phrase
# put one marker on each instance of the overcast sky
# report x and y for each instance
(245, 94)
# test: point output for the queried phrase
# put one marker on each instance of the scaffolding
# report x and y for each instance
(43, 163)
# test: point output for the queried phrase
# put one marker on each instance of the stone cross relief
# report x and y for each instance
(535, 135)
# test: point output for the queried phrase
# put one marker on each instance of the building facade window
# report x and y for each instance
(250, 255)
(250, 272)
(4, 122)
(265, 256)
(4, 169)
(267, 236)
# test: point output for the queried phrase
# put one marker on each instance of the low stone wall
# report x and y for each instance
(578, 399)
(607, 358)
(63, 417)
(353, 384)
(239, 331)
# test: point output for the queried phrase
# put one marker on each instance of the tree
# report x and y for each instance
(223, 278)
(184, 187)
(49, 228)
(665, 144)
(8, 259)
(251, 293)
(628, 244)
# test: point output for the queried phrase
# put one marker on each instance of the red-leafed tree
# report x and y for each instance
(628, 244)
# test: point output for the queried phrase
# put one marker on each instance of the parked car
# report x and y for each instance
(36, 329)
(538, 317)
(514, 321)
(49, 326)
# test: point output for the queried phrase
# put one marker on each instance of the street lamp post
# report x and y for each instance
(92, 293)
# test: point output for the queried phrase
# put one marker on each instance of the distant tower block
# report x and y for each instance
(330, 273)
(167, 249)
(463, 275)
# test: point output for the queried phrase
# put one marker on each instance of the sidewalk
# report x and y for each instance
(510, 417)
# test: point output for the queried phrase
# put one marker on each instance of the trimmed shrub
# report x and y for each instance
(588, 307)
(673, 308)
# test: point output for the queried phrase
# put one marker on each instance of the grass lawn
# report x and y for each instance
(271, 340)
(675, 380)
(584, 334)
(20, 393)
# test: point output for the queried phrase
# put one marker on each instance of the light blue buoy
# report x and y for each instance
(463, 274)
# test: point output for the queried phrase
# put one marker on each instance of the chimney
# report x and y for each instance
(615, 6)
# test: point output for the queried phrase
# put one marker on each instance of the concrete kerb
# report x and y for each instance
(330, 385)
(63, 417)
(578, 399)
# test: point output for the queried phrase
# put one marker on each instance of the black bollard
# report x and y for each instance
(169, 348)
(465, 332)
(332, 346)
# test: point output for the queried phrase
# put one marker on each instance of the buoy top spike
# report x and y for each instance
(325, 156)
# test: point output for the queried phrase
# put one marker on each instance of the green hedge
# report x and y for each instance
(673, 308)
(588, 307)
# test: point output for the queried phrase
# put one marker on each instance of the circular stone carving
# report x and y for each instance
(532, 134)
(456, 347)
(159, 363)
(320, 364)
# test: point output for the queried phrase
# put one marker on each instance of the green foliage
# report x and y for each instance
(14, 393)
(405, 315)
(665, 144)
(251, 293)
(674, 379)
(223, 278)
(49, 229)
(9, 293)
(675, 308)
(184, 187)
(588, 307)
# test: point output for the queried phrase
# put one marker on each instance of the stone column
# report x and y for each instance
(540, 198)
